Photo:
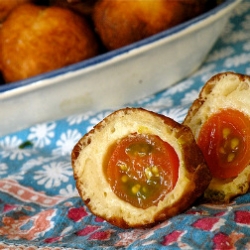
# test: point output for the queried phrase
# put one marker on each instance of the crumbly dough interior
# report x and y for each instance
(223, 91)
(231, 92)
(98, 190)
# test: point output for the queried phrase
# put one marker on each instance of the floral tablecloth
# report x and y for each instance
(40, 207)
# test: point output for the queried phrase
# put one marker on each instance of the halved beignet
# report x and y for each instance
(136, 168)
(220, 121)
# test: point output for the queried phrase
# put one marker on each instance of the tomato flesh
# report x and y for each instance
(225, 142)
(142, 169)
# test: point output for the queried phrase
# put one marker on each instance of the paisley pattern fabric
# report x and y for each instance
(40, 207)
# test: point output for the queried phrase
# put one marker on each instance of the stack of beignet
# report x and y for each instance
(220, 122)
(136, 168)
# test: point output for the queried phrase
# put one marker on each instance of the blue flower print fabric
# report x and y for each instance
(41, 209)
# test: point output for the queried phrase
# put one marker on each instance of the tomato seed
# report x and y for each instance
(155, 171)
(136, 188)
(123, 167)
(235, 143)
(226, 132)
(144, 190)
(124, 178)
(148, 173)
(230, 157)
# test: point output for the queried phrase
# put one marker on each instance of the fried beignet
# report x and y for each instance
(136, 168)
(220, 122)
(6, 6)
(36, 39)
(122, 22)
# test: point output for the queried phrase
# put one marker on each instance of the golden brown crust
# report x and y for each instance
(36, 39)
(6, 6)
(193, 173)
(207, 89)
(122, 22)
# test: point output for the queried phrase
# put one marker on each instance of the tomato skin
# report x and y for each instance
(142, 169)
(225, 142)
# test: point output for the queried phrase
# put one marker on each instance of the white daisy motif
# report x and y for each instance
(34, 162)
(177, 114)
(18, 177)
(246, 46)
(236, 36)
(205, 70)
(97, 119)
(180, 87)
(3, 168)
(248, 71)
(10, 148)
(190, 97)
(237, 60)
(53, 174)
(155, 109)
(41, 134)
(77, 119)
(241, 9)
(157, 104)
(69, 191)
(207, 76)
(245, 24)
(220, 54)
(227, 32)
(144, 100)
(67, 142)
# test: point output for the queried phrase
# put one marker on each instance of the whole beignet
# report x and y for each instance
(38, 39)
(6, 6)
(122, 22)
(136, 168)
